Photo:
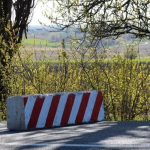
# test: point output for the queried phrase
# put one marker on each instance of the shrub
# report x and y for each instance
(124, 82)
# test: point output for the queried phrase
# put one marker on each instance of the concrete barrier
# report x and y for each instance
(50, 110)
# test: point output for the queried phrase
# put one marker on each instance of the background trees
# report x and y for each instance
(15, 16)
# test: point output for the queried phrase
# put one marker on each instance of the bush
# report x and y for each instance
(130, 52)
(124, 82)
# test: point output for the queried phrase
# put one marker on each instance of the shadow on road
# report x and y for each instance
(95, 133)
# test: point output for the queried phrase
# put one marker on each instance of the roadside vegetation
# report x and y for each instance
(123, 81)
(86, 58)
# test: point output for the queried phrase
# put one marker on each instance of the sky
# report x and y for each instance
(38, 14)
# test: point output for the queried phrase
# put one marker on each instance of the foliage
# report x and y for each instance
(131, 53)
(124, 82)
(14, 19)
(8, 47)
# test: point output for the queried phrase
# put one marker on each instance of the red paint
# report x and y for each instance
(82, 108)
(97, 106)
(36, 112)
(25, 101)
(52, 111)
(68, 108)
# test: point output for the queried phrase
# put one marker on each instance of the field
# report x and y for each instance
(41, 43)
(52, 51)
(38, 42)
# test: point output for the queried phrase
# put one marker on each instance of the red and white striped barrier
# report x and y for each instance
(50, 110)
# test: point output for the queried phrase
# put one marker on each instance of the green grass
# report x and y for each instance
(144, 59)
(43, 43)
(91, 61)
(52, 61)
(38, 42)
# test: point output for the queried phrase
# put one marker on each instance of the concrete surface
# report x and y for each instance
(15, 113)
(55, 109)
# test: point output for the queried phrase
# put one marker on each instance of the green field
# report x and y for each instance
(38, 42)
(142, 59)
(43, 43)
(55, 61)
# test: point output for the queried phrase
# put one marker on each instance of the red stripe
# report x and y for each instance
(36, 112)
(52, 111)
(97, 106)
(68, 108)
(25, 101)
(82, 108)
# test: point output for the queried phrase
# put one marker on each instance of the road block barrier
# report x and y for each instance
(50, 110)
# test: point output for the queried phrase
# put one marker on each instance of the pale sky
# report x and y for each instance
(38, 14)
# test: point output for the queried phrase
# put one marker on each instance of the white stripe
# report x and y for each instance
(60, 109)
(28, 109)
(44, 112)
(75, 108)
(137, 146)
(90, 106)
(101, 113)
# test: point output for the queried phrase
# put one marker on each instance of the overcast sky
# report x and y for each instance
(38, 14)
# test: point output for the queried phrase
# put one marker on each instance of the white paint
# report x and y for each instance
(137, 146)
(101, 113)
(75, 108)
(90, 106)
(60, 110)
(28, 109)
(44, 111)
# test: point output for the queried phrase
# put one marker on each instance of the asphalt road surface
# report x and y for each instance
(94, 136)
